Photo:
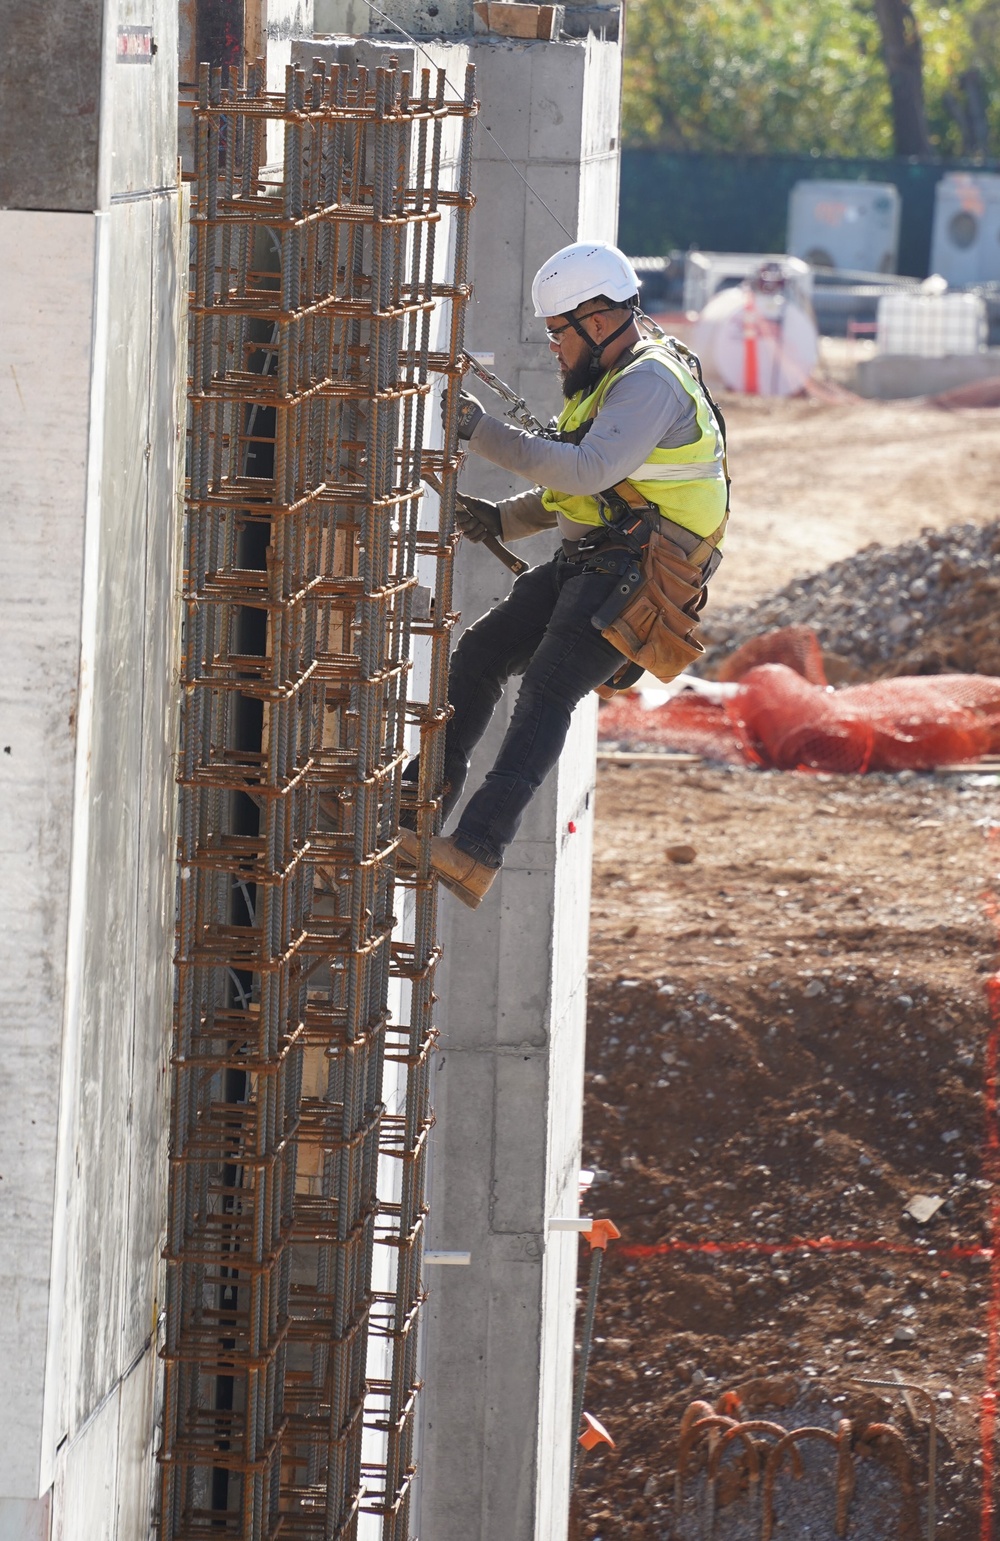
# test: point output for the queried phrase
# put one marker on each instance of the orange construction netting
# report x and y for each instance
(908, 723)
(786, 717)
(796, 646)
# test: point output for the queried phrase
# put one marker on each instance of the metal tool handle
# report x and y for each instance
(495, 547)
(504, 554)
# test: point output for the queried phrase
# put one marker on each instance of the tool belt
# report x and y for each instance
(651, 615)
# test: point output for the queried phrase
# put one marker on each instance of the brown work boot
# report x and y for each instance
(460, 873)
(464, 876)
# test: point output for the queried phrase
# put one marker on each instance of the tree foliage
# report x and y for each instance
(803, 76)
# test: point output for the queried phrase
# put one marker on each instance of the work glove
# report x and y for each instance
(469, 413)
(476, 518)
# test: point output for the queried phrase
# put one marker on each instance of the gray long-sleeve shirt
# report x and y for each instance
(646, 409)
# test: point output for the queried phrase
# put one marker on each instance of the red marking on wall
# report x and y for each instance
(134, 45)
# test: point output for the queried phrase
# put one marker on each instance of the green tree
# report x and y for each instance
(807, 76)
(962, 75)
(779, 75)
(903, 51)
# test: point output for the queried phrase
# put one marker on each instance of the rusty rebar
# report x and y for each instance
(745, 1432)
(902, 1387)
(310, 371)
(909, 1517)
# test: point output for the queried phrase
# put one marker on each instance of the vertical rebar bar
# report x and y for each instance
(310, 369)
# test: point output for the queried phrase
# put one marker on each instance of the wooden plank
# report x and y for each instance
(667, 757)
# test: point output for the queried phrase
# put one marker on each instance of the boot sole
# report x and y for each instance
(468, 898)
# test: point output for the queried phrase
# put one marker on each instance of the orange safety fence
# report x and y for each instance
(785, 717)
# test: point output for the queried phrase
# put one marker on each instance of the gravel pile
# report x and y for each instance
(930, 606)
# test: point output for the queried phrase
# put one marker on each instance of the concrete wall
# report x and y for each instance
(894, 376)
(94, 255)
(509, 1078)
(497, 1346)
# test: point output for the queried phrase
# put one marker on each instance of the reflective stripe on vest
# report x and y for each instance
(686, 484)
(691, 471)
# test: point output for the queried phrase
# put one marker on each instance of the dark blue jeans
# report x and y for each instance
(541, 631)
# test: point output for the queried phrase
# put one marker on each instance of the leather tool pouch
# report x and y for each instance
(657, 626)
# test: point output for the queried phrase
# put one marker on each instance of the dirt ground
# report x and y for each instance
(789, 1039)
(814, 482)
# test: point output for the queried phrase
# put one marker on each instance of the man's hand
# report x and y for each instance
(476, 518)
(469, 413)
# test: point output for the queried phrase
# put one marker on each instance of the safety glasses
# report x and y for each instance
(553, 333)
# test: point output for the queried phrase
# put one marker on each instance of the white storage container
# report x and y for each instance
(965, 244)
(931, 325)
(706, 272)
(845, 226)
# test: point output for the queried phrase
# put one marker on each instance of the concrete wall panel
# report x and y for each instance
(525, 936)
(104, 1490)
(510, 1491)
(87, 695)
(50, 87)
(557, 87)
(599, 199)
(499, 1344)
(555, 1407)
(95, 1282)
(141, 122)
(149, 1076)
(454, 1411)
(601, 85)
(85, 1499)
(138, 1404)
(473, 1005)
(48, 265)
(25, 1519)
(465, 1102)
(519, 1159)
(505, 112)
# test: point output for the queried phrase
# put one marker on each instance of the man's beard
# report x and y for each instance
(575, 379)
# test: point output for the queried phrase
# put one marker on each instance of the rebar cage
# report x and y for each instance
(319, 283)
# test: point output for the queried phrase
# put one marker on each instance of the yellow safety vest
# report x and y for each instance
(687, 485)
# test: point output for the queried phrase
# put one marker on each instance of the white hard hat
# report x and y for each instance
(581, 272)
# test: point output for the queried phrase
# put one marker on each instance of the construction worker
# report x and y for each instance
(635, 412)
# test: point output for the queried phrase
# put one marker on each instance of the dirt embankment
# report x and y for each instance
(787, 1042)
(789, 1036)
(815, 482)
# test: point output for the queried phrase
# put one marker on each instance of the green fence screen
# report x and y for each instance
(740, 202)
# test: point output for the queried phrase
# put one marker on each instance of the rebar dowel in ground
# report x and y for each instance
(771, 1469)
(909, 1515)
(753, 1472)
(596, 1260)
(745, 1431)
(699, 1418)
(903, 1386)
(598, 1236)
